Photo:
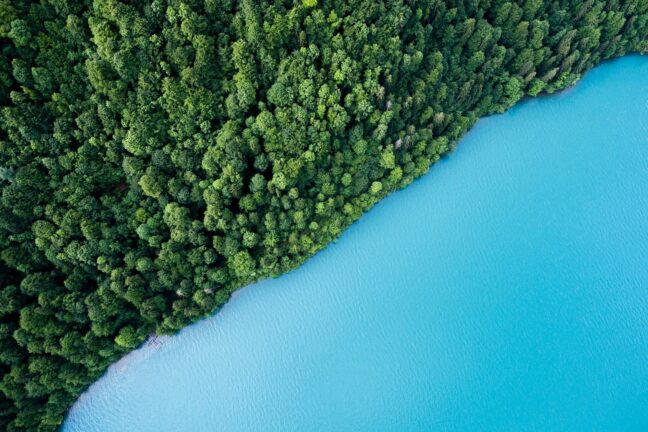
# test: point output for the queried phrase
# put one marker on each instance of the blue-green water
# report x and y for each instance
(506, 290)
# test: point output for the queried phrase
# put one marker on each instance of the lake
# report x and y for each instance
(506, 290)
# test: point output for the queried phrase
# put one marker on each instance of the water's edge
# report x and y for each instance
(151, 350)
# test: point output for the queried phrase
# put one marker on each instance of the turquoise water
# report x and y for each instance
(506, 290)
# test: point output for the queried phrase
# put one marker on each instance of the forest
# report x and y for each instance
(156, 155)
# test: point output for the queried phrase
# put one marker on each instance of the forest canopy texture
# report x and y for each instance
(156, 155)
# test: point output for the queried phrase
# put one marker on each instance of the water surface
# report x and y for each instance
(506, 290)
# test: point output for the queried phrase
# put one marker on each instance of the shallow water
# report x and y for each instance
(506, 290)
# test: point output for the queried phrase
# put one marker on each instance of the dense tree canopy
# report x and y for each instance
(155, 155)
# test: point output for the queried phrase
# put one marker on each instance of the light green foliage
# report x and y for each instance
(376, 187)
(156, 155)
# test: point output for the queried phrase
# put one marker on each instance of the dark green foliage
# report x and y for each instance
(155, 155)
